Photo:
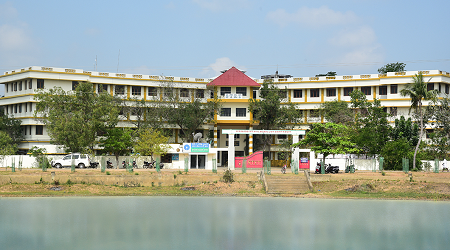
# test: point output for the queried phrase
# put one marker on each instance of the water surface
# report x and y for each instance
(221, 223)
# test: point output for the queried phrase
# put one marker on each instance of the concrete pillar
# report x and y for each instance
(231, 151)
(250, 141)
(296, 151)
(215, 135)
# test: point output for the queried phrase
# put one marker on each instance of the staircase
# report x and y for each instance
(287, 184)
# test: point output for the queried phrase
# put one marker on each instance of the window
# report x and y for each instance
(347, 91)
(394, 89)
(430, 86)
(20, 86)
(298, 93)
(393, 111)
(331, 92)
(283, 93)
(15, 108)
(366, 90)
(446, 89)
(119, 90)
(225, 112)
(167, 158)
(25, 130)
(6, 87)
(254, 94)
(282, 137)
(440, 90)
(200, 93)
(241, 112)
(241, 90)
(314, 113)
(30, 84)
(314, 93)
(20, 107)
(225, 90)
(31, 107)
(136, 90)
(382, 90)
(168, 92)
(74, 85)
(39, 129)
(152, 91)
(236, 143)
(40, 83)
(26, 107)
(15, 86)
(102, 88)
(236, 136)
(429, 132)
(184, 92)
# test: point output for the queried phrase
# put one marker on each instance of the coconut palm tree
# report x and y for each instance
(417, 91)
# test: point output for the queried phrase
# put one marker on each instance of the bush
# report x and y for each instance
(228, 176)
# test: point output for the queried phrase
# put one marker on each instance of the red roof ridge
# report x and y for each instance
(234, 77)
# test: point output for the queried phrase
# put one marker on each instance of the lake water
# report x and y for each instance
(221, 223)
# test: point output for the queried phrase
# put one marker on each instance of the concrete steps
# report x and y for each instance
(286, 184)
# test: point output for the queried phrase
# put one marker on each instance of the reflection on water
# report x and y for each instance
(221, 223)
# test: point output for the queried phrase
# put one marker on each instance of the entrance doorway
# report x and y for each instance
(198, 161)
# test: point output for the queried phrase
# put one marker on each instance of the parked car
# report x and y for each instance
(80, 161)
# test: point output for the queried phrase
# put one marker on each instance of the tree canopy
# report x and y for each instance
(337, 111)
(270, 112)
(11, 127)
(328, 138)
(74, 118)
(392, 67)
(417, 91)
(118, 141)
(151, 141)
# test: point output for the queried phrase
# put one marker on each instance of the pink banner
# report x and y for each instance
(253, 161)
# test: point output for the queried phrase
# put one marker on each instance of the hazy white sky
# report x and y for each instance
(199, 38)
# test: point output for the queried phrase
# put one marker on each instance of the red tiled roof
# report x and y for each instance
(234, 77)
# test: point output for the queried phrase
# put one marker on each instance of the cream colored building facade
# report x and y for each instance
(307, 92)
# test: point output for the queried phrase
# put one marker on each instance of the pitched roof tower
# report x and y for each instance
(234, 77)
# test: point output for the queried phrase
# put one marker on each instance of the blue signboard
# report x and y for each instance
(303, 160)
(175, 157)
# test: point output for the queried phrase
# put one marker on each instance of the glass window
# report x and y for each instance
(6, 87)
(200, 93)
(225, 112)
(136, 90)
(430, 86)
(366, 90)
(102, 88)
(74, 85)
(30, 84)
(76, 156)
(119, 90)
(152, 91)
(20, 86)
(67, 157)
(39, 129)
(241, 90)
(298, 93)
(225, 90)
(446, 89)
(314, 93)
(282, 137)
(347, 91)
(254, 94)
(383, 90)
(331, 92)
(394, 89)
(184, 92)
(241, 112)
(15, 86)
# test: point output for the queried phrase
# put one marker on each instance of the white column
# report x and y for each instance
(296, 151)
(231, 151)
(250, 142)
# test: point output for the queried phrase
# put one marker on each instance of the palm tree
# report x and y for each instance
(417, 90)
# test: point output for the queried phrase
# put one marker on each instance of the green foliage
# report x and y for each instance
(271, 113)
(7, 145)
(417, 91)
(328, 138)
(393, 153)
(42, 161)
(392, 67)
(228, 176)
(118, 141)
(406, 129)
(439, 145)
(151, 142)
(74, 118)
(337, 112)
(371, 128)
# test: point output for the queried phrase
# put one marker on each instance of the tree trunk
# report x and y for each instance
(117, 161)
(420, 135)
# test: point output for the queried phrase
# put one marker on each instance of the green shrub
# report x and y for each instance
(228, 176)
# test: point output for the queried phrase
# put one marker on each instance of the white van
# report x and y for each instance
(79, 160)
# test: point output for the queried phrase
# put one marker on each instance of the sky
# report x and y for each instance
(199, 38)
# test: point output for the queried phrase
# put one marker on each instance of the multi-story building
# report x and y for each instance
(233, 87)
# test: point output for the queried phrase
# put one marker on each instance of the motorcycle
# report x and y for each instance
(109, 164)
(283, 169)
(152, 164)
(147, 165)
(94, 164)
(134, 164)
(328, 169)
